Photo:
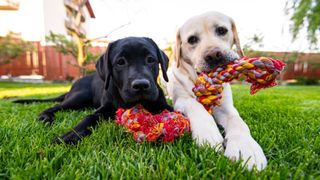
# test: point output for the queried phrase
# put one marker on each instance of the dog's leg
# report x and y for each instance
(74, 101)
(47, 116)
(203, 127)
(238, 140)
(84, 127)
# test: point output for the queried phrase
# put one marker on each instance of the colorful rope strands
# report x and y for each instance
(261, 72)
(148, 127)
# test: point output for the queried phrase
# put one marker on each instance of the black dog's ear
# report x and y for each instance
(163, 58)
(164, 62)
(103, 66)
(100, 67)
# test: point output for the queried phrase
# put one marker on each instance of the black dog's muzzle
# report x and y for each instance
(140, 85)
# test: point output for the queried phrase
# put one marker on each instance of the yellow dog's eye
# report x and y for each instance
(221, 31)
(193, 40)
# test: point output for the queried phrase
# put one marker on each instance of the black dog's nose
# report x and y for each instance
(140, 84)
(213, 56)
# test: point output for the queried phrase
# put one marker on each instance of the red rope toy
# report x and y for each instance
(144, 126)
(261, 72)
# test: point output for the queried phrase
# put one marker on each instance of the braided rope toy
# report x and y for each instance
(261, 72)
(144, 126)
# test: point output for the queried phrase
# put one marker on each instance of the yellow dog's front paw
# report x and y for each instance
(244, 147)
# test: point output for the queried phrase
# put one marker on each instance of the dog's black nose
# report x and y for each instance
(140, 84)
(213, 56)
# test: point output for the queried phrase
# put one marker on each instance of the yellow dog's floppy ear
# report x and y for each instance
(177, 49)
(236, 40)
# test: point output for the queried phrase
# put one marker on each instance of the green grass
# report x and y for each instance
(284, 120)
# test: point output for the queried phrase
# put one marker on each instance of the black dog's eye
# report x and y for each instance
(151, 60)
(121, 62)
(221, 31)
(193, 40)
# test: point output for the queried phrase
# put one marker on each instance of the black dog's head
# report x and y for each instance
(132, 65)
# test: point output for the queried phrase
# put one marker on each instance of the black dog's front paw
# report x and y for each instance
(46, 118)
(57, 140)
(71, 138)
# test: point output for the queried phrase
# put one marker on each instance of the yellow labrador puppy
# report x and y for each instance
(201, 45)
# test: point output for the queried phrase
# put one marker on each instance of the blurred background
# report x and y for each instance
(60, 40)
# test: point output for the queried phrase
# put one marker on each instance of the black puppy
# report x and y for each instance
(126, 75)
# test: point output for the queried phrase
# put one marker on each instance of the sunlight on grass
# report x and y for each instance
(22, 90)
(32, 91)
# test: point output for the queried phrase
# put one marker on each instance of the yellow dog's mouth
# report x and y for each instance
(226, 57)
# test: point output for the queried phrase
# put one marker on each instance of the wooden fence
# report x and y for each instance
(52, 65)
(45, 61)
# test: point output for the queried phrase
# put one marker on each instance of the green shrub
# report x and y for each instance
(307, 81)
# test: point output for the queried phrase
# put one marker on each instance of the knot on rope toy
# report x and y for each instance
(145, 126)
(261, 72)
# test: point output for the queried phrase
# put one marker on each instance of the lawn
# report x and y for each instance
(285, 121)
